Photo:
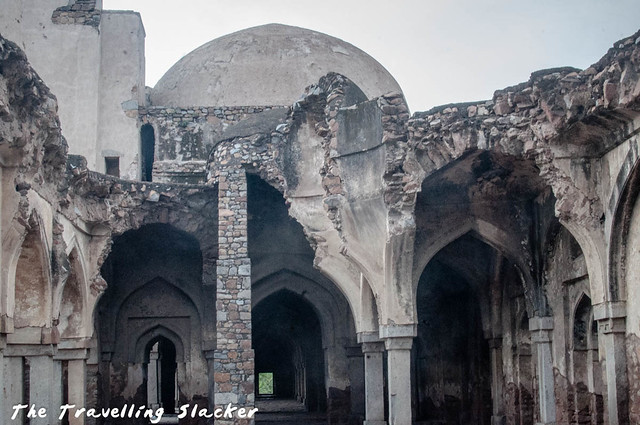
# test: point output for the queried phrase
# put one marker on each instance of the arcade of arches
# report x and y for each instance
(336, 261)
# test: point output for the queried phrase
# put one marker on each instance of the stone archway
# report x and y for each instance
(287, 339)
(154, 301)
(451, 358)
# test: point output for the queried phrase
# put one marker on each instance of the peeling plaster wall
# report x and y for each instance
(67, 57)
(121, 91)
(96, 71)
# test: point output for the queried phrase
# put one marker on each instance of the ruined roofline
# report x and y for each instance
(618, 49)
(204, 109)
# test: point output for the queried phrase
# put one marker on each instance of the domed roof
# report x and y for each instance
(266, 65)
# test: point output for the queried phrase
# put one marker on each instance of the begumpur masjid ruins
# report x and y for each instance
(269, 226)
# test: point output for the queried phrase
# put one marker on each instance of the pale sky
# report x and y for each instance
(439, 51)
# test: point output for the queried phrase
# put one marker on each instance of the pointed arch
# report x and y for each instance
(148, 337)
(623, 206)
(32, 278)
(582, 317)
(484, 231)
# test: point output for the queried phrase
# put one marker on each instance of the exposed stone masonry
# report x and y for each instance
(185, 137)
(82, 12)
(234, 357)
(223, 113)
(523, 119)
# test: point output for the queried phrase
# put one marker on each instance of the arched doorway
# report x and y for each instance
(452, 368)
(288, 348)
(162, 386)
(299, 318)
(149, 320)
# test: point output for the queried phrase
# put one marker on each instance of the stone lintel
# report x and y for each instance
(28, 350)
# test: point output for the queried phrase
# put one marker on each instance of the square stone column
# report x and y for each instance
(77, 378)
(399, 379)
(541, 328)
(12, 388)
(45, 387)
(497, 399)
(77, 383)
(611, 317)
(234, 357)
(373, 350)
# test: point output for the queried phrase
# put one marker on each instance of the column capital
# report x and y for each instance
(611, 317)
(541, 323)
(353, 351)
(368, 336)
(612, 325)
(71, 354)
(610, 310)
(398, 331)
(399, 343)
(373, 347)
(541, 329)
(6, 324)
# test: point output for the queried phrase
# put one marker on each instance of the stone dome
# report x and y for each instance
(266, 65)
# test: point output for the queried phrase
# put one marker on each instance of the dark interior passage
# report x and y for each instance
(451, 356)
(288, 343)
(162, 369)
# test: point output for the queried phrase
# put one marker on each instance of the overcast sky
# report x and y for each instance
(439, 51)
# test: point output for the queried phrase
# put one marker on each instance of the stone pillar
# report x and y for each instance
(356, 379)
(76, 379)
(234, 357)
(611, 317)
(373, 350)
(12, 387)
(399, 379)
(497, 401)
(541, 328)
(44, 384)
(153, 378)
(209, 278)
